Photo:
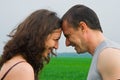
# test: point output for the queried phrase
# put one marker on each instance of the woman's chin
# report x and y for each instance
(47, 53)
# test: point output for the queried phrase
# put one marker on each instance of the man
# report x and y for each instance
(82, 30)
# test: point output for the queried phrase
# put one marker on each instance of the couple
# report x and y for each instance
(35, 38)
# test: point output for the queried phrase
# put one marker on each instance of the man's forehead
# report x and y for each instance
(65, 25)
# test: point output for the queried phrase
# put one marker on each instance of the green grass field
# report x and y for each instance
(66, 68)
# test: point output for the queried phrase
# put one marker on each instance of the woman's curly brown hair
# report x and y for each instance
(28, 39)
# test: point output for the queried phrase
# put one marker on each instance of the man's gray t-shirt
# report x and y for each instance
(93, 71)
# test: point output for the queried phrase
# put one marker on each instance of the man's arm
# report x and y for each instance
(109, 64)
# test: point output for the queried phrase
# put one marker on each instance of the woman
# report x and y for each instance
(30, 45)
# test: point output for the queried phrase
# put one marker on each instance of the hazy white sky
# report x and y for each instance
(12, 12)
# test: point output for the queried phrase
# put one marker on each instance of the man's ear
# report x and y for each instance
(83, 26)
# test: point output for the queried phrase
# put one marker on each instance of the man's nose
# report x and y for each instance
(67, 42)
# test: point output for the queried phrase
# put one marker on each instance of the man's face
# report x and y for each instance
(74, 37)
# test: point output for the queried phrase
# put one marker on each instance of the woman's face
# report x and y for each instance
(52, 42)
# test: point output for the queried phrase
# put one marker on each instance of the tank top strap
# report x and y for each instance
(10, 69)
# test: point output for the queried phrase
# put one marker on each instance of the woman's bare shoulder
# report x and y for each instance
(24, 71)
(21, 71)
